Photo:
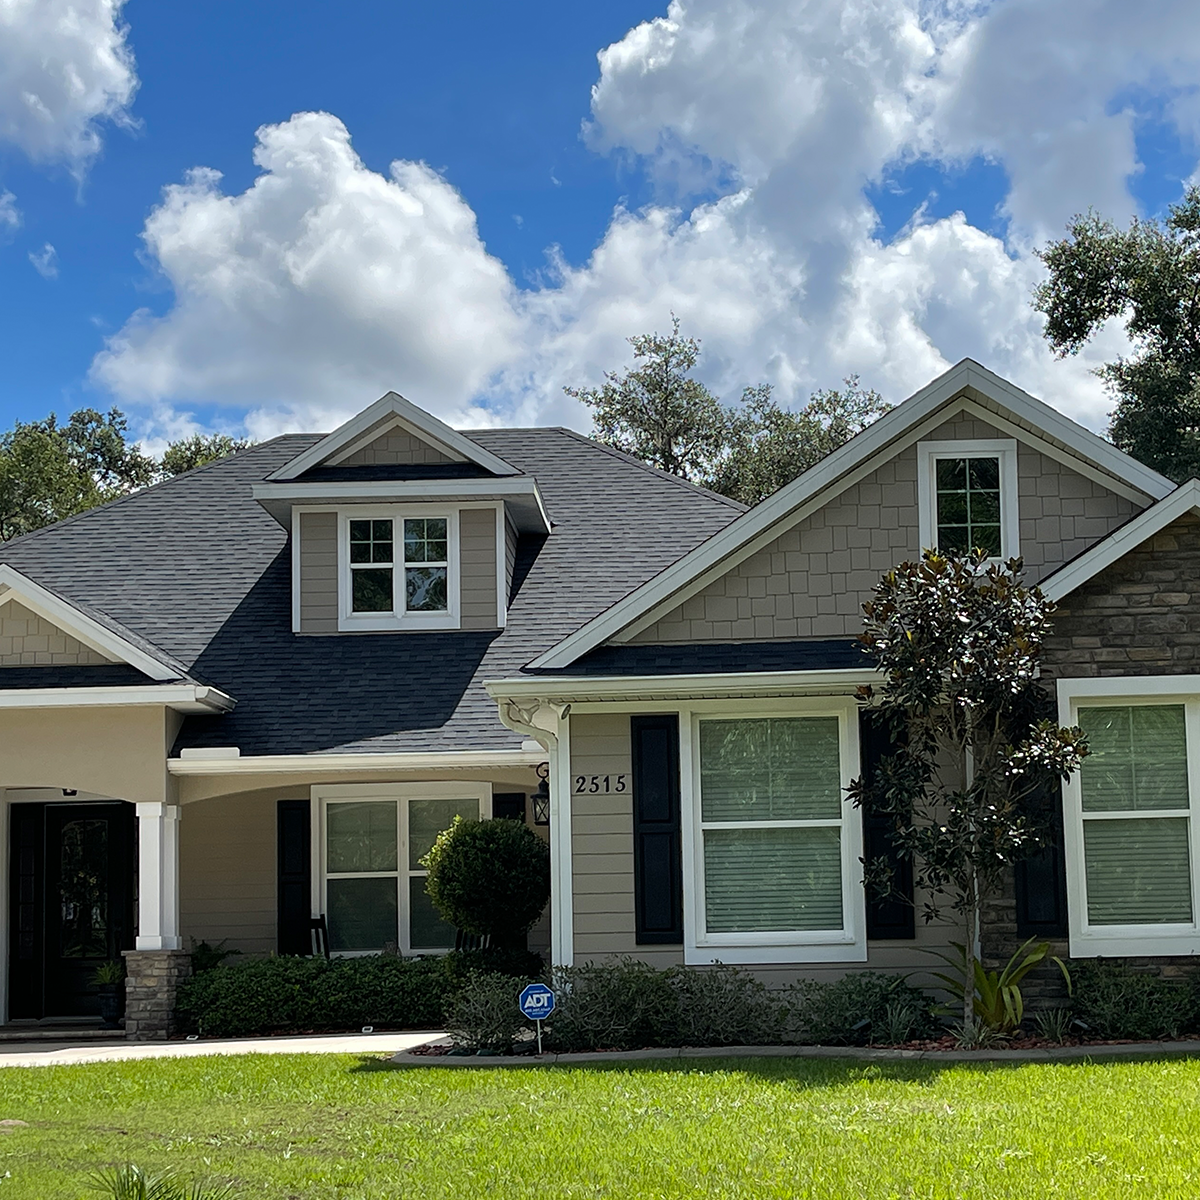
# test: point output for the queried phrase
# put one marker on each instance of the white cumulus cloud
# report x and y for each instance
(65, 67)
(10, 214)
(764, 125)
(321, 285)
(45, 261)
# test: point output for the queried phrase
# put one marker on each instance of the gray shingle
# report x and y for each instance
(198, 570)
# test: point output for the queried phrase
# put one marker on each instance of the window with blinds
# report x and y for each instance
(1136, 803)
(771, 825)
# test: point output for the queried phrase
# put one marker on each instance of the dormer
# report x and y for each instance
(400, 523)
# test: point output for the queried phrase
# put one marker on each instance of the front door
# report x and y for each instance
(72, 903)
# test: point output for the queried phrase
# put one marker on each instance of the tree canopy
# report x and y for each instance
(1148, 276)
(659, 413)
(975, 746)
(50, 470)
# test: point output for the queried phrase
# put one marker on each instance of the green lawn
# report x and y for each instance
(325, 1126)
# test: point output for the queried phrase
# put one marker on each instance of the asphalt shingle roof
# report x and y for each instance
(197, 570)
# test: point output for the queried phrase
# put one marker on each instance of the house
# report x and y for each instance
(252, 695)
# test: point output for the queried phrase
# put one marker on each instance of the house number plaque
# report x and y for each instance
(601, 783)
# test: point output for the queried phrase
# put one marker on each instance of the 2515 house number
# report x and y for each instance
(601, 783)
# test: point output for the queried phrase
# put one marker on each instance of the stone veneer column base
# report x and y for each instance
(152, 979)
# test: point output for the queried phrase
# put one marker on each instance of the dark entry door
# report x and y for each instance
(72, 903)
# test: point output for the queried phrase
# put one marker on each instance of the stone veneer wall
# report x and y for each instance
(1140, 616)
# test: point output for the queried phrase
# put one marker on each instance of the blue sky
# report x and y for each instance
(816, 187)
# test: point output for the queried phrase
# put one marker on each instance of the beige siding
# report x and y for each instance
(602, 847)
(477, 575)
(318, 580)
(227, 871)
(813, 580)
(602, 872)
(396, 446)
(28, 640)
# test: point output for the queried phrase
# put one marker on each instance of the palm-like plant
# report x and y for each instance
(130, 1182)
(999, 1006)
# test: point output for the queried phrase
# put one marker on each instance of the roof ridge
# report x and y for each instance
(633, 460)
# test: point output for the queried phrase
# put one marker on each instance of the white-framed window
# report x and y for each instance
(967, 496)
(772, 845)
(1130, 816)
(398, 567)
(368, 840)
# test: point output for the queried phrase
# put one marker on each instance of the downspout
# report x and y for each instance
(545, 721)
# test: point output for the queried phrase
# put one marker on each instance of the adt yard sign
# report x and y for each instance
(537, 1003)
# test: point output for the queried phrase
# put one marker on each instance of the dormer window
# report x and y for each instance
(399, 569)
(968, 497)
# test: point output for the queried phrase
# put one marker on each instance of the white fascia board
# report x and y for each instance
(274, 764)
(426, 425)
(875, 439)
(187, 698)
(521, 495)
(68, 618)
(581, 688)
(1185, 499)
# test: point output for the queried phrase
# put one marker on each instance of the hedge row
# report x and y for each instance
(290, 995)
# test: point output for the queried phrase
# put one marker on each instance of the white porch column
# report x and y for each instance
(158, 877)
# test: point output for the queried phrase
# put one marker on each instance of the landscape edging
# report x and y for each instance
(1129, 1050)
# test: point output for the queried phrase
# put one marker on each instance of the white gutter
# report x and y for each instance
(443, 760)
(189, 698)
(580, 687)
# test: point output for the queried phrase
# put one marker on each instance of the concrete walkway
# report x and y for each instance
(44, 1054)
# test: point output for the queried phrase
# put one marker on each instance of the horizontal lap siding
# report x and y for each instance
(478, 574)
(318, 581)
(227, 877)
(602, 846)
(812, 581)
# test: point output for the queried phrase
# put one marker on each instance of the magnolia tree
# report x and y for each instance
(958, 642)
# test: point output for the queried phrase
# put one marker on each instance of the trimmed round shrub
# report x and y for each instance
(489, 878)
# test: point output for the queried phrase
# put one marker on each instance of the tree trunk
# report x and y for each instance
(970, 957)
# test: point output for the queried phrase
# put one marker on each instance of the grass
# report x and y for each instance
(326, 1126)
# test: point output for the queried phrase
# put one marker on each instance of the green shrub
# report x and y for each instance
(861, 1008)
(724, 1006)
(484, 1014)
(624, 1005)
(281, 995)
(494, 960)
(1115, 1001)
(489, 878)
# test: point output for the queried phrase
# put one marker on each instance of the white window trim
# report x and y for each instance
(400, 793)
(1005, 449)
(349, 621)
(849, 944)
(1087, 940)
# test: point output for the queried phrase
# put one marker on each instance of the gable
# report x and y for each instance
(391, 444)
(392, 431)
(812, 580)
(30, 640)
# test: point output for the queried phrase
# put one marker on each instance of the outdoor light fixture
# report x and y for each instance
(541, 798)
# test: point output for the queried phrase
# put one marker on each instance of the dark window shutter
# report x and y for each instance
(510, 805)
(657, 862)
(27, 831)
(1041, 878)
(892, 917)
(294, 862)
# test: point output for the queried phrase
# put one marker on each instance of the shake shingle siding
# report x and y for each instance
(199, 571)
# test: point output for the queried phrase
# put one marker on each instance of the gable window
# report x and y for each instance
(775, 872)
(371, 885)
(1131, 829)
(967, 495)
(398, 569)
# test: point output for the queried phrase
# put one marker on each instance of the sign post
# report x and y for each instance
(537, 1003)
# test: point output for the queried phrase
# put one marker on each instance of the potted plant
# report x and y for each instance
(109, 977)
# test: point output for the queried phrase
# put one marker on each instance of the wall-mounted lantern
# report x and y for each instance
(540, 799)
